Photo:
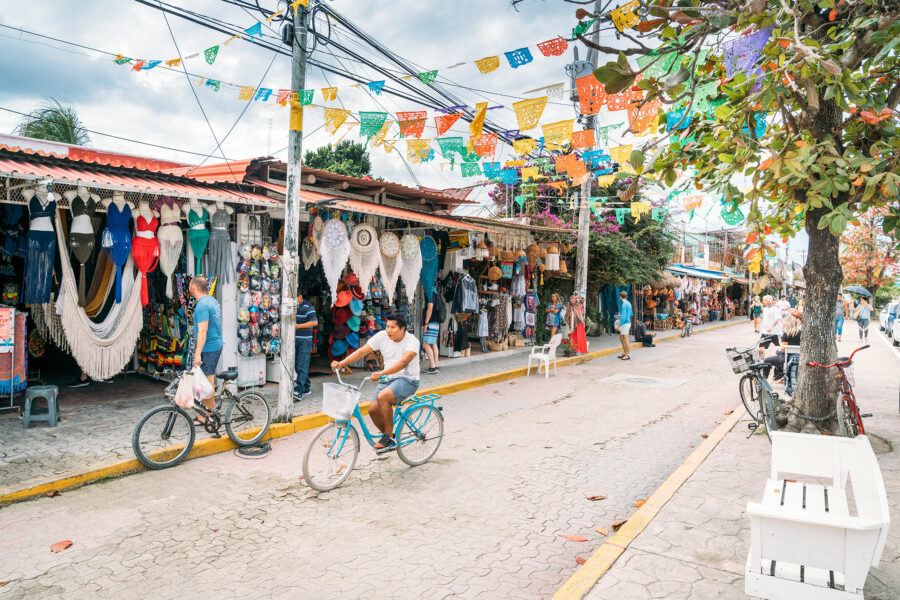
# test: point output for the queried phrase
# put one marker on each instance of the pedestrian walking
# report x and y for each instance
(840, 312)
(862, 315)
(575, 322)
(553, 313)
(207, 332)
(435, 313)
(306, 321)
(756, 313)
(625, 316)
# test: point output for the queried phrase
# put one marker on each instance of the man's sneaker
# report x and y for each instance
(307, 393)
(297, 396)
(433, 371)
(385, 444)
(79, 383)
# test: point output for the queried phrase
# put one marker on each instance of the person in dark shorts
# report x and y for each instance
(207, 332)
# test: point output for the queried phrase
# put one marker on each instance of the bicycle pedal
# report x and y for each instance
(866, 415)
(752, 426)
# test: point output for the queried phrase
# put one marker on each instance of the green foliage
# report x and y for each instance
(347, 158)
(56, 122)
(886, 294)
(634, 254)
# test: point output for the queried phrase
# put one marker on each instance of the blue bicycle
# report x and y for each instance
(332, 453)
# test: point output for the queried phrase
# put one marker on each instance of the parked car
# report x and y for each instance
(887, 316)
(895, 332)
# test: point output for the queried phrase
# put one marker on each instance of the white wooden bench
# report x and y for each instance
(822, 522)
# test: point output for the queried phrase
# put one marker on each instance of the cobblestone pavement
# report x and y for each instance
(484, 519)
(697, 545)
(97, 421)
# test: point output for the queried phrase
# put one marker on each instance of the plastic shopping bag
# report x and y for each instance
(184, 394)
(202, 387)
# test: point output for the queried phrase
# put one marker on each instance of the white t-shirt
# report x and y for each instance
(393, 353)
(784, 305)
(771, 320)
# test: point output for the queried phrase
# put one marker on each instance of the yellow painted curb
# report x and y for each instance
(208, 446)
(603, 558)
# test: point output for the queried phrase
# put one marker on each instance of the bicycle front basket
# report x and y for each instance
(338, 401)
(740, 360)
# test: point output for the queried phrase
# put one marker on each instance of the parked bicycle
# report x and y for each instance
(164, 436)
(688, 328)
(757, 395)
(332, 453)
(838, 380)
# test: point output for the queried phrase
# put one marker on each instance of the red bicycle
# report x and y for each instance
(839, 381)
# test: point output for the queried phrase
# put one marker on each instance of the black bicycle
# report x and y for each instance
(757, 395)
(165, 435)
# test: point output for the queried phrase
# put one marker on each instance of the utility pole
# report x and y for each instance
(289, 257)
(584, 210)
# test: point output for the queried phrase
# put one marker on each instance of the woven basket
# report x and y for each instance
(543, 252)
(552, 249)
(562, 267)
(533, 253)
(495, 251)
(494, 273)
(508, 256)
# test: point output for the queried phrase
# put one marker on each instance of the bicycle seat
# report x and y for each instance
(229, 375)
(759, 366)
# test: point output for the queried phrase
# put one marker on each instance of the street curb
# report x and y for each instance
(209, 446)
(606, 555)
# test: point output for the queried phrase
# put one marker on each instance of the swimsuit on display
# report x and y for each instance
(116, 240)
(198, 235)
(171, 242)
(81, 238)
(145, 251)
(41, 255)
(218, 256)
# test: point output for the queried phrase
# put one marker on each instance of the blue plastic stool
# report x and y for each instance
(48, 393)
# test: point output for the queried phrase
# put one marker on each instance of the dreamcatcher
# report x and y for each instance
(391, 262)
(335, 249)
(309, 253)
(318, 228)
(364, 253)
(412, 264)
(429, 253)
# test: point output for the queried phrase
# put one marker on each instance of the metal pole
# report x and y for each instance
(289, 256)
(584, 215)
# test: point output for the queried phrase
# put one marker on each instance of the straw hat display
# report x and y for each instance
(495, 251)
(494, 273)
(543, 251)
(562, 267)
(507, 255)
(533, 253)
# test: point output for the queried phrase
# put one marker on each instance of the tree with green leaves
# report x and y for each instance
(795, 100)
(346, 158)
(56, 122)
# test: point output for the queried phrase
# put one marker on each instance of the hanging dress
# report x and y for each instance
(171, 242)
(41, 253)
(116, 240)
(81, 238)
(218, 256)
(145, 251)
(198, 235)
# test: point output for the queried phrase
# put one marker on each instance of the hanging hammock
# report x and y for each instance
(335, 250)
(309, 253)
(364, 254)
(391, 262)
(412, 264)
(429, 253)
(100, 349)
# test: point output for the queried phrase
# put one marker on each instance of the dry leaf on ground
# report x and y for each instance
(601, 530)
(704, 435)
(729, 412)
(580, 560)
(573, 538)
(688, 527)
(639, 503)
(597, 497)
(617, 524)
(60, 546)
(52, 493)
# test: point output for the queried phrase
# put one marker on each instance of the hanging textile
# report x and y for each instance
(364, 253)
(318, 229)
(100, 357)
(102, 284)
(41, 251)
(81, 232)
(429, 256)
(309, 253)
(198, 235)
(412, 264)
(171, 242)
(145, 250)
(335, 251)
(219, 260)
(391, 262)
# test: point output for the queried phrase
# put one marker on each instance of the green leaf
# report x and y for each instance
(723, 112)
(637, 159)
(726, 158)
(680, 76)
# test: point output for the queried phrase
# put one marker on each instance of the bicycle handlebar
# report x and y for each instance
(341, 381)
(840, 362)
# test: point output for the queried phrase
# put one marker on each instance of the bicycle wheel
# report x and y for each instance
(848, 416)
(419, 435)
(247, 418)
(767, 408)
(163, 437)
(331, 456)
(747, 387)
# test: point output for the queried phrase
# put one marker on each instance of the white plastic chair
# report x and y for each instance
(544, 354)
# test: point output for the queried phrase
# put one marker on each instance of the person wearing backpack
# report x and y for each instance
(435, 313)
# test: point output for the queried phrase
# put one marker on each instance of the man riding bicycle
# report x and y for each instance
(400, 350)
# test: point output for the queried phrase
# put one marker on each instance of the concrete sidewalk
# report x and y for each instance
(697, 545)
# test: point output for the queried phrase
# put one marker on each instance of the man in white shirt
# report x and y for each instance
(784, 306)
(771, 324)
(400, 350)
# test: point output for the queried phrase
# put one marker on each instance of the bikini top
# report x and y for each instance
(116, 217)
(221, 219)
(169, 215)
(144, 225)
(81, 208)
(194, 219)
(38, 210)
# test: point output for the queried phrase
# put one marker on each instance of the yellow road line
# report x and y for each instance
(208, 446)
(603, 558)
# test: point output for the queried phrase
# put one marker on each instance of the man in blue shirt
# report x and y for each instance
(207, 330)
(303, 342)
(626, 314)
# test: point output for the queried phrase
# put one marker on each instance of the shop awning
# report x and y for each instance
(127, 181)
(741, 280)
(699, 273)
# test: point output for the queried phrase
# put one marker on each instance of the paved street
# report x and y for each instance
(484, 519)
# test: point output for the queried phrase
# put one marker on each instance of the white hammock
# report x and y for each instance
(411, 256)
(335, 250)
(364, 254)
(100, 349)
(391, 262)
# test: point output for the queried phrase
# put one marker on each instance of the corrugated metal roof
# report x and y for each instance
(230, 172)
(16, 143)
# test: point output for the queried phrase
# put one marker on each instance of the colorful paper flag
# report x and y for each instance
(642, 119)
(449, 145)
(603, 133)
(591, 95)
(519, 57)
(370, 123)
(741, 54)
(528, 112)
(657, 65)
(282, 97)
(583, 139)
(675, 118)
(492, 169)
(262, 94)
(564, 162)
(210, 54)
(378, 138)
(624, 16)
(121, 60)
(174, 63)
(558, 135)
(508, 176)
(524, 146)
(605, 180)
(554, 47)
(412, 123)
(444, 122)
(639, 208)
(138, 65)
(622, 155)
(529, 173)
(305, 97)
(376, 86)
(485, 144)
(486, 65)
(515, 163)
(150, 64)
(428, 77)
(329, 94)
(254, 31)
(658, 214)
(334, 118)
(417, 150)
(213, 83)
(693, 201)
(623, 100)
(470, 169)
(732, 217)
(246, 93)
(477, 123)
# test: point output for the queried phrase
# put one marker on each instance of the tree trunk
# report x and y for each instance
(823, 276)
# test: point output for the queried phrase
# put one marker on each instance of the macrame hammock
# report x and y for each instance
(391, 262)
(100, 349)
(309, 253)
(364, 254)
(429, 253)
(335, 251)
(412, 264)
(318, 229)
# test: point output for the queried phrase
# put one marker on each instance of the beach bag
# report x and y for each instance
(439, 310)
